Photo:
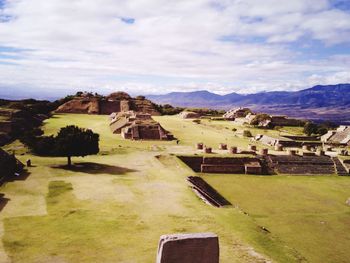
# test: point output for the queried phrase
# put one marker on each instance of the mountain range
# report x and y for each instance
(322, 102)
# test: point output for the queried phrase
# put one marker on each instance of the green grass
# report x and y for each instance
(114, 206)
(307, 213)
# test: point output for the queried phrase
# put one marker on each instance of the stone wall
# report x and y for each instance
(228, 165)
(108, 107)
(194, 162)
(302, 165)
(149, 132)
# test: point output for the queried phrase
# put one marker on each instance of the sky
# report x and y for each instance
(58, 47)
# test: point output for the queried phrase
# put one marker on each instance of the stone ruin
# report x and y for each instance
(340, 136)
(9, 166)
(207, 149)
(115, 102)
(199, 146)
(234, 113)
(301, 165)
(223, 146)
(189, 115)
(228, 165)
(138, 126)
(188, 248)
(206, 192)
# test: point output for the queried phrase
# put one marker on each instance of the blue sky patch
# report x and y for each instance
(128, 20)
(2, 4)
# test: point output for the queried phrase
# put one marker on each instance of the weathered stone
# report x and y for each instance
(233, 150)
(223, 146)
(306, 147)
(208, 149)
(252, 148)
(278, 147)
(292, 152)
(199, 146)
(264, 151)
(320, 152)
(188, 248)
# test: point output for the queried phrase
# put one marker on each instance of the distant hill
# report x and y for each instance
(319, 102)
(319, 96)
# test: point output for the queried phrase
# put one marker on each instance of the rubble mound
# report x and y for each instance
(115, 102)
(120, 95)
(80, 105)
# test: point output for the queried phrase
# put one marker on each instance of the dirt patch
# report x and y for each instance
(24, 205)
(100, 188)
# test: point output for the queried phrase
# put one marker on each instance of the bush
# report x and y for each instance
(247, 133)
(317, 129)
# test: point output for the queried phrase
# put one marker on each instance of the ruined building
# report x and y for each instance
(138, 126)
(9, 165)
(236, 113)
(189, 115)
(115, 102)
(340, 136)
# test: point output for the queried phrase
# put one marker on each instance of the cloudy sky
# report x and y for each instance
(55, 47)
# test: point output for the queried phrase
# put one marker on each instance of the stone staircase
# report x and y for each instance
(339, 167)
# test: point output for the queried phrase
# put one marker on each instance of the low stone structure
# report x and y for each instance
(188, 248)
(223, 146)
(228, 165)
(251, 147)
(320, 152)
(189, 115)
(233, 150)
(278, 147)
(199, 146)
(273, 141)
(208, 149)
(264, 152)
(301, 165)
(292, 152)
(207, 192)
(236, 113)
(9, 166)
(138, 126)
(340, 136)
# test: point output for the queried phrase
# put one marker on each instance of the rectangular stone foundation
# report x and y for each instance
(188, 248)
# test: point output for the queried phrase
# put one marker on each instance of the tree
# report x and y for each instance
(310, 128)
(74, 141)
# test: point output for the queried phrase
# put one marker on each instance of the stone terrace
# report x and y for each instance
(284, 164)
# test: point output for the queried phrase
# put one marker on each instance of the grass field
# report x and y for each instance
(114, 206)
(307, 213)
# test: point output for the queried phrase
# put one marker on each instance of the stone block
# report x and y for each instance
(188, 248)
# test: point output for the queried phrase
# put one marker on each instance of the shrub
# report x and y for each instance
(247, 133)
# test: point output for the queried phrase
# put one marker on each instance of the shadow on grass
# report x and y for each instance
(3, 201)
(21, 177)
(95, 168)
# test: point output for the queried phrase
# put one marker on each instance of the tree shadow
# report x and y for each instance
(3, 201)
(21, 177)
(95, 168)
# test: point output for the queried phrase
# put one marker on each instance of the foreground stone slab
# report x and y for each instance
(188, 248)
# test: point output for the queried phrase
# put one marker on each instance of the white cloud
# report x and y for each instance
(172, 45)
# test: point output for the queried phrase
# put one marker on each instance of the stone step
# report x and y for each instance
(339, 167)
